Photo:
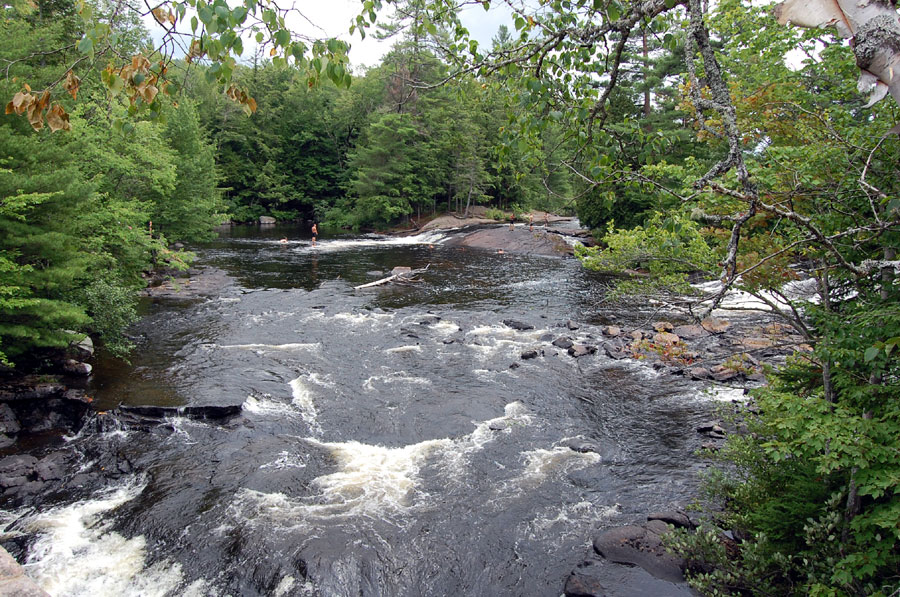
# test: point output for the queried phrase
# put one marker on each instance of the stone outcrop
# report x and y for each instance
(13, 582)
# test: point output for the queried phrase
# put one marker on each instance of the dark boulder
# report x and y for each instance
(563, 342)
(529, 354)
(640, 546)
(9, 424)
(614, 350)
(190, 412)
(517, 325)
(598, 578)
(572, 325)
(675, 518)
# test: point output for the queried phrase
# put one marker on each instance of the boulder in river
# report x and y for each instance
(614, 350)
(580, 350)
(74, 367)
(663, 326)
(596, 577)
(640, 546)
(563, 342)
(267, 220)
(529, 354)
(517, 325)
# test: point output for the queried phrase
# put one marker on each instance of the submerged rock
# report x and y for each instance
(190, 412)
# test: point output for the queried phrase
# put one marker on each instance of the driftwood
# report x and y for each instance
(400, 274)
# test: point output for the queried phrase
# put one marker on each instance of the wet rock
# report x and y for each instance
(515, 366)
(563, 342)
(30, 389)
(711, 446)
(612, 330)
(499, 425)
(529, 354)
(517, 325)
(546, 337)
(710, 426)
(401, 270)
(582, 446)
(676, 518)
(190, 412)
(429, 320)
(598, 578)
(636, 335)
(639, 546)
(663, 326)
(585, 581)
(614, 350)
(74, 367)
(16, 470)
(9, 424)
(51, 468)
(580, 350)
(6, 441)
(267, 220)
(572, 325)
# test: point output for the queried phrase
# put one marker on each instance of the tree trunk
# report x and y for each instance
(871, 24)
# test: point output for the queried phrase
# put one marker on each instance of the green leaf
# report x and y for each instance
(194, 24)
(237, 46)
(871, 353)
(259, 37)
(86, 45)
(238, 15)
(282, 37)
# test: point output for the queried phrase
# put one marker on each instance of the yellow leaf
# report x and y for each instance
(272, 52)
(10, 108)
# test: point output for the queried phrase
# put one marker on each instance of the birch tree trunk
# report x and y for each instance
(873, 28)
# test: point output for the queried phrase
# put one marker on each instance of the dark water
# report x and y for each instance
(385, 447)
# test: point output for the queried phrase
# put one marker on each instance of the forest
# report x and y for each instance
(691, 138)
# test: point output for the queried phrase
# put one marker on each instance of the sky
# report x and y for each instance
(333, 18)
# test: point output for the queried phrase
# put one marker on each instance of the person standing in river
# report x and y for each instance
(315, 233)
(512, 220)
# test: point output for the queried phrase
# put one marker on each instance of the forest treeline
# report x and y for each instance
(692, 137)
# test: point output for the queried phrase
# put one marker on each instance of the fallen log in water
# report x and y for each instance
(400, 274)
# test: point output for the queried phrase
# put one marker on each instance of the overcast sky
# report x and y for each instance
(333, 18)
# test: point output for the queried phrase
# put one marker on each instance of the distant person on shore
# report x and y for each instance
(531, 222)
(512, 220)
(315, 233)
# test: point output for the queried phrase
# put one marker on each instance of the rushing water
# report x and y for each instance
(385, 447)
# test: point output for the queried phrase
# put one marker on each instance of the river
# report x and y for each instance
(392, 441)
